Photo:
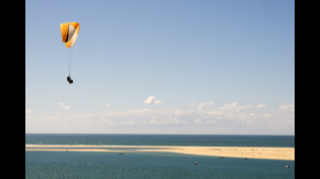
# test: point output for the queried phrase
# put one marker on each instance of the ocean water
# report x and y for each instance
(161, 140)
(138, 165)
(150, 165)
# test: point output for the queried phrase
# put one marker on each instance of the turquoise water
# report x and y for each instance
(150, 165)
(160, 140)
(153, 165)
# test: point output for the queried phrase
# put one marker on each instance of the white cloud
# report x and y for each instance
(164, 120)
(267, 115)
(229, 106)
(242, 108)
(139, 111)
(152, 100)
(64, 106)
(261, 106)
(28, 111)
(176, 120)
(234, 106)
(180, 112)
(129, 121)
(225, 119)
(192, 104)
(199, 121)
(106, 104)
(229, 115)
(154, 120)
(202, 105)
(158, 102)
(287, 107)
(215, 112)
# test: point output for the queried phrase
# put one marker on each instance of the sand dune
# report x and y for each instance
(241, 152)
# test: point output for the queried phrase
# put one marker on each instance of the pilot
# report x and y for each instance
(69, 80)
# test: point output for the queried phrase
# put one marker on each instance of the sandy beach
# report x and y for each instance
(239, 152)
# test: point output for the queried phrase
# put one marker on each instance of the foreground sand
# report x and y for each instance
(241, 152)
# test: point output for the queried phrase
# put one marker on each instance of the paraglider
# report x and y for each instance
(69, 34)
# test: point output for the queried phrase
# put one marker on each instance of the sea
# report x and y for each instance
(154, 165)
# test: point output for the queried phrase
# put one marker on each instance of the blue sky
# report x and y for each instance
(215, 67)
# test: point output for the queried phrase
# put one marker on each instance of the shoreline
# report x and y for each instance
(275, 153)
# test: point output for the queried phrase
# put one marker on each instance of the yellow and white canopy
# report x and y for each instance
(69, 33)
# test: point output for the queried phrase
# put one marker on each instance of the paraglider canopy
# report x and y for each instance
(69, 33)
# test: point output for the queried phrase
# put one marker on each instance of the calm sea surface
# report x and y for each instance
(161, 140)
(153, 165)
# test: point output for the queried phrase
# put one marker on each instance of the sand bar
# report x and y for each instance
(276, 153)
